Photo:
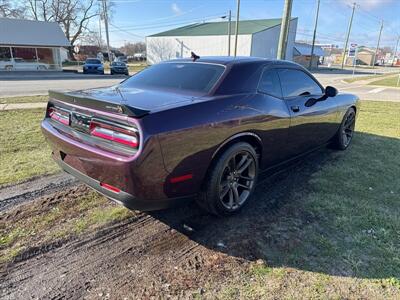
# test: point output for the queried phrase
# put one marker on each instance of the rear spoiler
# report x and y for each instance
(78, 99)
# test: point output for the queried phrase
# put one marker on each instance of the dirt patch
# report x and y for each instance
(12, 195)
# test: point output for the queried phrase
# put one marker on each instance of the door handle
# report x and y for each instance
(295, 108)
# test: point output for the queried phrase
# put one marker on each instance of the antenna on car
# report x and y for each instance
(193, 56)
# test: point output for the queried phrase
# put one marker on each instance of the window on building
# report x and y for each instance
(24, 54)
(45, 55)
(297, 83)
(5, 54)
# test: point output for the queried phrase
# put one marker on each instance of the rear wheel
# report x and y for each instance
(345, 133)
(231, 181)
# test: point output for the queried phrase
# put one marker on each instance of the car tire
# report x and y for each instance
(111, 72)
(9, 68)
(344, 136)
(231, 180)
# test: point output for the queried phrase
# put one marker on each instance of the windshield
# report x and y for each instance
(197, 77)
(93, 61)
(115, 63)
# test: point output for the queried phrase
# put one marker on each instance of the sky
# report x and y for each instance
(132, 20)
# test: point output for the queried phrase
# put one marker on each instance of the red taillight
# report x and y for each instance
(110, 187)
(114, 133)
(59, 115)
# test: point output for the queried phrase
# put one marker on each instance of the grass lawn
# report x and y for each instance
(336, 235)
(391, 81)
(24, 99)
(339, 237)
(24, 152)
(366, 77)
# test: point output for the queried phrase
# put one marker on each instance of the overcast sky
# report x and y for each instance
(135, 19)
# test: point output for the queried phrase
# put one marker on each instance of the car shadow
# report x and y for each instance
(279, 227)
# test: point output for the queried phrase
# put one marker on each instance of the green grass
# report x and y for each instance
(367, 77)
(344, 225)
(24, 152)
(24, 99)
(391, 82)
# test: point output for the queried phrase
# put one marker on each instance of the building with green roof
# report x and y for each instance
(255, 38)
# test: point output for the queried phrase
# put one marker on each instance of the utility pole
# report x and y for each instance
(377, 45)
(229, 32)
(237, 26)
(315, 33)
(100, 37)
(287, 10)
(395, 50)
(105, 14)
(348, 35)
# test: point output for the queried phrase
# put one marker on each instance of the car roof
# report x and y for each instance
(230, 60)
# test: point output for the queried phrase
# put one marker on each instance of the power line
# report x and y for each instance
(166, 24)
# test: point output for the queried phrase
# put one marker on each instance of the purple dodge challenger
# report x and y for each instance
(203, 129)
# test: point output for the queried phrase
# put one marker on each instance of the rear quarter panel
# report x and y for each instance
(190, 135)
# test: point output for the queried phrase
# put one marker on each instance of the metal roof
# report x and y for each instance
(20, 32)
(221, 28)
(305, 49)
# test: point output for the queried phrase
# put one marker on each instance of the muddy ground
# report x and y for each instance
(178, 253)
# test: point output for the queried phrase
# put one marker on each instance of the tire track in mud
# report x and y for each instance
(13, 195)
(130, 253)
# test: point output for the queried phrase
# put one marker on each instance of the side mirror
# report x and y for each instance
(330, 91)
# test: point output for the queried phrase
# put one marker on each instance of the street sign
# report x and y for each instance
(352, 50)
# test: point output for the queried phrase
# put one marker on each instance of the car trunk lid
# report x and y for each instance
(131, 102)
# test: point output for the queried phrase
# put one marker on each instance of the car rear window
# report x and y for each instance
(196, 77)
(93, 61)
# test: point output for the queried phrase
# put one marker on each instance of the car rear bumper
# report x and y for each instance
(121, 197)
(141, 180)
(93, 71)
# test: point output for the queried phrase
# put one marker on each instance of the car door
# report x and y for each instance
(277, 119)
(312, 123)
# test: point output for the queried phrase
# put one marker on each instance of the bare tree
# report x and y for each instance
(9, 10)
(92, 37)
(132, 48)
(72, 15)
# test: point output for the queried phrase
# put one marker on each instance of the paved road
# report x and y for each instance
(29, 85)
(9, 88)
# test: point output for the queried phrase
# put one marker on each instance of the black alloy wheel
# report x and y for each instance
(231, 180)
(345, 133)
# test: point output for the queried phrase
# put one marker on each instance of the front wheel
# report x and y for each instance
(344, 136)
(231, 180)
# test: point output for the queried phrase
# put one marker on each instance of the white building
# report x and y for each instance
(31, 45)
(256, 38)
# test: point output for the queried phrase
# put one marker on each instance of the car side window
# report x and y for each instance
(297, 83)
(269, 84)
